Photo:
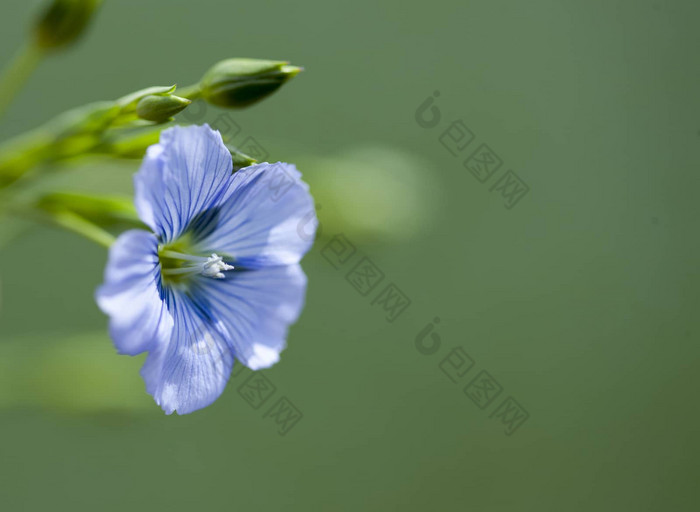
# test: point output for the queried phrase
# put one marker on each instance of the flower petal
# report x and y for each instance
(185, 174)
(268, 219)
(256, 307)
(131, 294)
(192, 370)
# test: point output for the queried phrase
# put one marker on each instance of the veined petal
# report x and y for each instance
(256, 307)
(268, 219)
(192, 369)
(185, 174)
(131, 294)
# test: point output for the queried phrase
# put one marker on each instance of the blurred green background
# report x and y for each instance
(581, 301)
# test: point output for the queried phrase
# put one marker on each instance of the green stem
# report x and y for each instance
(17, 72)
(191, 92)
(87, 229)
(66, 220)
(87, 129)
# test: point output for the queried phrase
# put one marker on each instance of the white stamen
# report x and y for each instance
(209, 267)
(213, 267)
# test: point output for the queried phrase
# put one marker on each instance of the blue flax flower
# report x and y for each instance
(218, 279)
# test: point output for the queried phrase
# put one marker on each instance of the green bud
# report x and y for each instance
(63, 21)
(160, 108)
(128, 103)
(240, 160)
(237, 83)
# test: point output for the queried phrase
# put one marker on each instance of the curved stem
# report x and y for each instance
(66, 220)
(79, 225)
(191, 92)
(17, 72)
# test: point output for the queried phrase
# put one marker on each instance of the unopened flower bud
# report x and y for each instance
(63, 21)
(159, 108)
(240, 160)
(237, 83)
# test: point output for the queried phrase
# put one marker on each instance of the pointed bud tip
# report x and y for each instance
(292, 71)
(159, 108)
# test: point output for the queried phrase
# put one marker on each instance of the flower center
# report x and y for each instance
(177, 265)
